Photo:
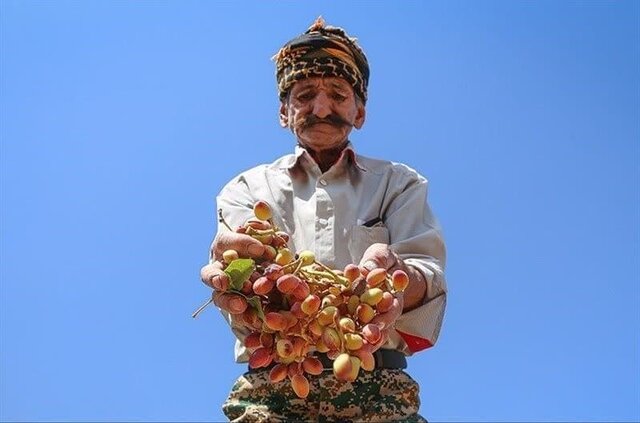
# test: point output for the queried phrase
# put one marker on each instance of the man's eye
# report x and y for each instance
(304, 96)
(339, 97)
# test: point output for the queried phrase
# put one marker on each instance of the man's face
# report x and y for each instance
(321, 112)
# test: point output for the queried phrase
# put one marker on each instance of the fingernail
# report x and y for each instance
(370, 265)
(214, 282)
(256, 249)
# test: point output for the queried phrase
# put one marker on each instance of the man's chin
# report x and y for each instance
(318, 145)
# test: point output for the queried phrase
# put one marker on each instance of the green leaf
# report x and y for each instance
(239, 271)
(255, 303)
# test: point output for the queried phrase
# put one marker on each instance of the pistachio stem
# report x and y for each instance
(293, 263)
(335, 277)
(317, 273)
(311, 275)
(298, 267)
(311, 282)
(389, 286)
(202, 307)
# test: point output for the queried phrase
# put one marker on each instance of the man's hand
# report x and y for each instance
(382, 256)
(246, 246)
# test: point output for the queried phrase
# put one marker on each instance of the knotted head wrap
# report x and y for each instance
(322, 51)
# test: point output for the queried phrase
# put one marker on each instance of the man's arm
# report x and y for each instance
(416, 246)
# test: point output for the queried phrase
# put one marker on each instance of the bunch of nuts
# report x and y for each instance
(294, 305)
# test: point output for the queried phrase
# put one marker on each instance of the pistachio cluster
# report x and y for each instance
(294, 305)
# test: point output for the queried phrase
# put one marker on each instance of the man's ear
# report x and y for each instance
(361, 114)
(284, 115)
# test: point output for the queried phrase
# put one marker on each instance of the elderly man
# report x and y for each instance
(347, 209)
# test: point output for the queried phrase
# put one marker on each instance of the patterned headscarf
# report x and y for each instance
(322, 51)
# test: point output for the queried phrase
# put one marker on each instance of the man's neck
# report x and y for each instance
(326, 158)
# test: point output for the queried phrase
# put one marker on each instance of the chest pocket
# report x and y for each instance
(362, 237)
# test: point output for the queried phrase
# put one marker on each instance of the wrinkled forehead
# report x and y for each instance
(336, 83)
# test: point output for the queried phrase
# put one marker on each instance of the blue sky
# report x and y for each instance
(120, 121)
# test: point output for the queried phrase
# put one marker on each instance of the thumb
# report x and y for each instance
(378, 255)
(370, 265)
(245, 245)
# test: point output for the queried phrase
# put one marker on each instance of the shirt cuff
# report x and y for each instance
(420, 327)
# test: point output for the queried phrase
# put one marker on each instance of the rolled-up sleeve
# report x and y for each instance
(416, 236)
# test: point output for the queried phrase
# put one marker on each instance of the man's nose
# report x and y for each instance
(321, 106)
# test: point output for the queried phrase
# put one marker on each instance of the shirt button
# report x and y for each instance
(323, 182)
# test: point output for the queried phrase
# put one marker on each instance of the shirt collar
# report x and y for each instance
(348, 157)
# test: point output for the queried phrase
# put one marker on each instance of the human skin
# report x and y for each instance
(333, 109)
(381, 255)
(322, 98)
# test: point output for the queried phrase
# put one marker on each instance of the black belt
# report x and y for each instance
(384, 359)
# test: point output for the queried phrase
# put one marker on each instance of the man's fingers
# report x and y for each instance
(245, 245)
(213, 276)
(378, 255)
(220, 282)
(399, 265)
(384, 337)
(207, 272)
(370, 265)
(388, 319)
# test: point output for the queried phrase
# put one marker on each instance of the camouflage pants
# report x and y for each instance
(382, 395)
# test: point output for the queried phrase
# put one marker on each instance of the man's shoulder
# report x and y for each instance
(256, 175)
(260, 170)
(387, 167)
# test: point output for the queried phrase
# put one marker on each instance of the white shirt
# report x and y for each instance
(325, 213)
